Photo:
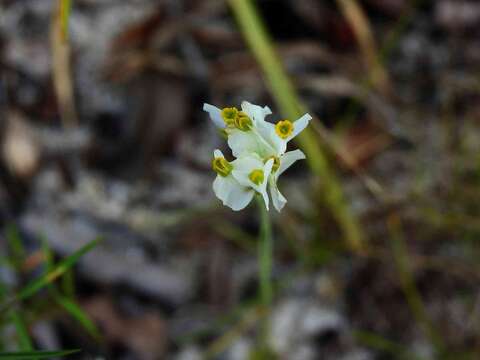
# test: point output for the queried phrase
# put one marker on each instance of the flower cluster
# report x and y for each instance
(260, 151)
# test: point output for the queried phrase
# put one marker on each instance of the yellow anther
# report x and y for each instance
(256, 176)
(276, 162)
(243, 122)
(229, 115)
(284, 128)
(221, 166)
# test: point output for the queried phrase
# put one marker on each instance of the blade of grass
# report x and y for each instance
(61, 69)
(15, 244)
(78, 314)
(68, 284)
(286, 98)
(29, 355)
(68, 280)
(3, 288)
(380, 343)
(358, 21)
(69, 304)
(59, 269)
(24, 341)
(389, 44)
(407, 282)
(65, 9)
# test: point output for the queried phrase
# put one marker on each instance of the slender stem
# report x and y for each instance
(265, 249)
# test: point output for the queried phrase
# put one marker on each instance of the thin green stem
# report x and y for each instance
(265, 250)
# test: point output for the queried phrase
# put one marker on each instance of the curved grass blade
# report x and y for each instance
(68, 302)
(15, 244)
(24, 341)
(46, 279)
(78, 314)
(29, 355)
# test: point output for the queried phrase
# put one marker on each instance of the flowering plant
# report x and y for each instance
(260, 151)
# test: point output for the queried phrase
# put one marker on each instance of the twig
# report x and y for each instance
(361, 27)
(62, 78)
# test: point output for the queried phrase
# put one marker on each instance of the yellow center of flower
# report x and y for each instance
(256, 176)
(243, 122)
(284, 128)
(221, 166)
(229, 115)
(276, 162)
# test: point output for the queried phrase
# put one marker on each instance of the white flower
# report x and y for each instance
(215, 114)
(237, 182)
(286, 160)
(269, 141)
(252, 172)
(221, 117)
(255, 143)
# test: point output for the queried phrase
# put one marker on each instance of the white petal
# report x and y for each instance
(218, 154)
(299, 125)
(243, 166)
(248, 163)
(232, 193)
(288, 159)
(255, 112)
(267, 170)
(239, 198)
(243, 142)
(215, 115)
(278, 199)
(222, 186)
(277, 145)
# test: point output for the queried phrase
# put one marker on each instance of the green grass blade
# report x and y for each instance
(56, 272)
(284, 93)
(24, 341)
(265, 255)
(28, 355)
(68, 302)
(15, 244)
(65, 9)
(78, 314)
(46, 279)
(68, 284)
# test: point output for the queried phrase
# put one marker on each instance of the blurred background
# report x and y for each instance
(102, 136)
